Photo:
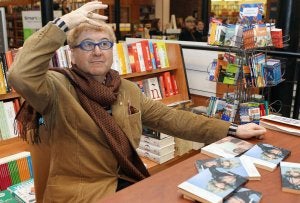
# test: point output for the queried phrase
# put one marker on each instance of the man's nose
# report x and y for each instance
(97, 50)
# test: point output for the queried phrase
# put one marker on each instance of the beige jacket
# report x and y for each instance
(74, 158)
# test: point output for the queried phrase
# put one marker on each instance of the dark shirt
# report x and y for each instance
(187, 35)
(55, 6)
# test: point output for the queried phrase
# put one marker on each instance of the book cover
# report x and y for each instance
(272, 72)
(163, 54)
(146, 55)
(237, 165)
(251, 13)
(276, 35)
(244, 195)
(267, 156)
(156, 142)
(121, 58)
(248, 38)
(6, 197)
(157, 150)
(227, 147)
(231, 74)
(261, 36)
(152, 88)
(23, 192)
(211, 185)
(290, 177)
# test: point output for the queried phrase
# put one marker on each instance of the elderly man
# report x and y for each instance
(86, 120)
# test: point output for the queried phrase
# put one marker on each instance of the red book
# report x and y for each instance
(162, 86)
(168, 84)
(146, 55)
(156, 56)
(276, 35)
(133, 51)
(174, 84)
(9, 58)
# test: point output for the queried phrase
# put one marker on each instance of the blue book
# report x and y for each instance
(245, 195)
(251, 13)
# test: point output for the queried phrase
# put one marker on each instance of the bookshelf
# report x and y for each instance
(176, 68)
(14, 30)
(12, 145)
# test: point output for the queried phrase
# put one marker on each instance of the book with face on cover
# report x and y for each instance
(227, 147)
(211, 185)
(266, 156)
(245, 195)
(290, 177)
(237, 165)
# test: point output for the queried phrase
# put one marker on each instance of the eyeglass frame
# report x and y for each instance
(80, 45)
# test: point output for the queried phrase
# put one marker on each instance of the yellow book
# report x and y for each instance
(2, 80)
(122, 61)
(163, 54)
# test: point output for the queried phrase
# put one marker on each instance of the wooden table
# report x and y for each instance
(162, 187)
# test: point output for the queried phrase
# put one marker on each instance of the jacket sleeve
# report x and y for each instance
(182, 124)
(29, 72)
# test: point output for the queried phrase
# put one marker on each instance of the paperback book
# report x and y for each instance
(267, 156)
(227, 147)
(245, 195)
(237, 165)
(24, 192)
(211, 185)
(290, 177)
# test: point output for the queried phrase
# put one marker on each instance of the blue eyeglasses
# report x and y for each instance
(89, 45)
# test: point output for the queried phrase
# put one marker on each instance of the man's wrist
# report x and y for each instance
(232, 130)
(61, 24)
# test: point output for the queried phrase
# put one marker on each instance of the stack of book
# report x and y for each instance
(156, 146)
(15, 169)
(221, 179)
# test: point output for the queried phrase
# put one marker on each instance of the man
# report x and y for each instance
(90, 120)
(188, 32)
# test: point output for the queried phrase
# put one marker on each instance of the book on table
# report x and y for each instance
(238, 165)
(211, 185)
(245, 195)
(266, 156)
(290, 177)
(281, 124)
(227, 147)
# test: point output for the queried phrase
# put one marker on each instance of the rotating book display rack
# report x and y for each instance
(245, 66)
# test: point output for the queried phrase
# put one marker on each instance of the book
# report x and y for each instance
(6, 197)
(266, 156)
(245, 195)
(281, 124)
(23, 192)
(227, 147)
(152, 88)
(211, 185)
(251, 13)
(231, 74)
(237, 165)
(157, 142)
(290, 177)
(154, 157)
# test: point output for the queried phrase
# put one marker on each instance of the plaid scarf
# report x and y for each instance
(94, 96)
